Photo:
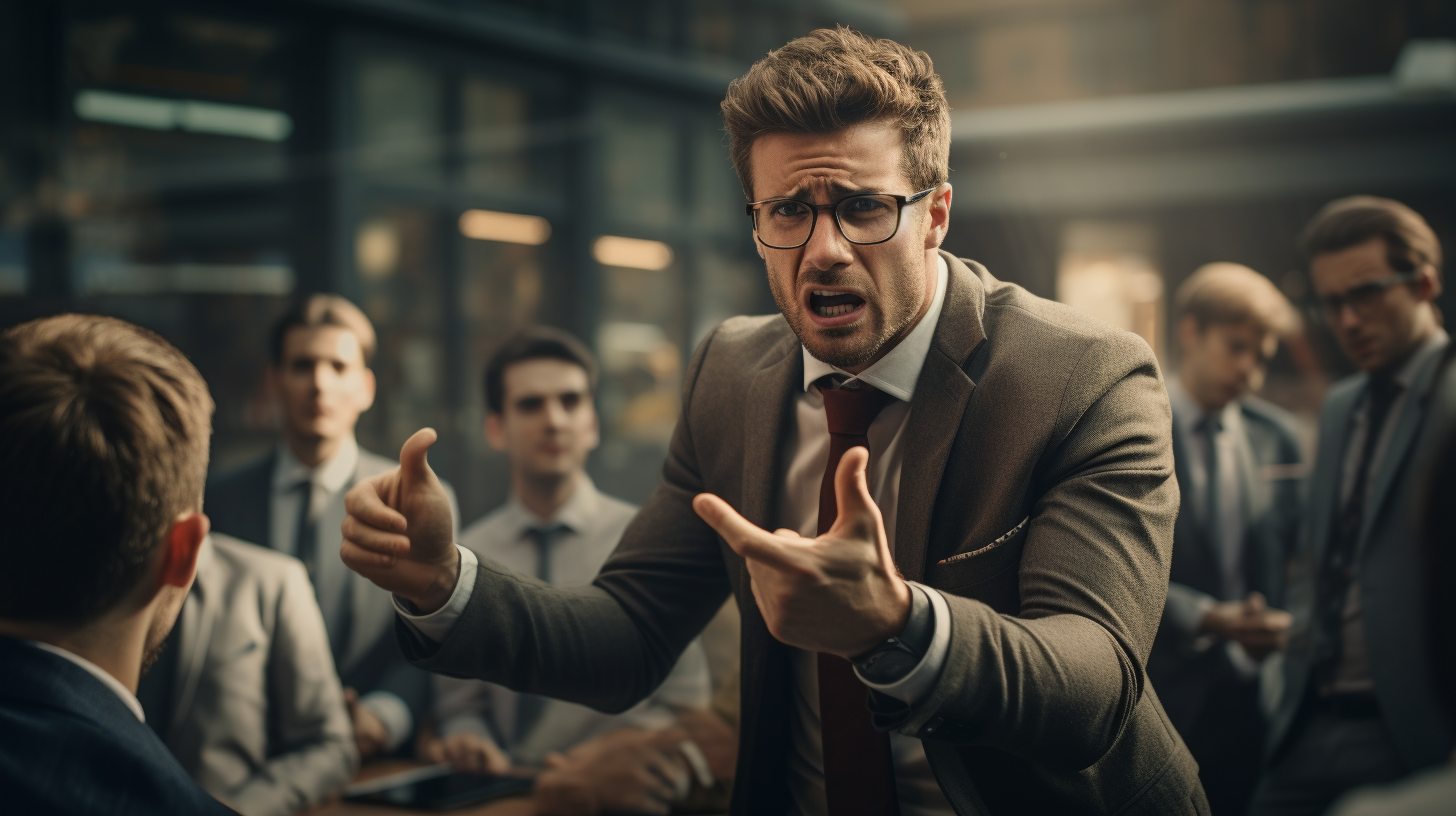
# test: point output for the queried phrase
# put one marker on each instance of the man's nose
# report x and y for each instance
(827, 247)
(1346, 318)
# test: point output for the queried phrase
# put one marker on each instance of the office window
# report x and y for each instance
(400, 119)
(1107, 271)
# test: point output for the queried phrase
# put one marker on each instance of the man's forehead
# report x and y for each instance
(860, 158)
(332, 342)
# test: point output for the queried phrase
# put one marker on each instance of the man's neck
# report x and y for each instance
(1425, 328)
(312, 451)
(113, 644)
(544, 496)
(1190, 388)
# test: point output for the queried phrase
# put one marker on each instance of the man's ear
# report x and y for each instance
(1429, 283)
(370, 386)
(179, 552)
(495, 431)
(939, 214)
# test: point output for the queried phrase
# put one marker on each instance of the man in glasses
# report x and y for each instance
(971, 491)
(1359, 706)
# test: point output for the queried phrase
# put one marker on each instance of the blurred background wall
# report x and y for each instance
(464, 167)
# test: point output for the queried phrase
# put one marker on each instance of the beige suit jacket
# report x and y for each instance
(258, 717)
(1025, 410)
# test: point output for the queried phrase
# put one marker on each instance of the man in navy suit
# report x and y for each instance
(103, 430)
(1238, 465)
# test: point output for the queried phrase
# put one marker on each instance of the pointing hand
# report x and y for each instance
(400, 533)
(839, 593)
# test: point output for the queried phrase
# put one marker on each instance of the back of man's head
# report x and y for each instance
(1233, 294)
(319, 310)
(534, 343)
(104, 432)
(833, 78)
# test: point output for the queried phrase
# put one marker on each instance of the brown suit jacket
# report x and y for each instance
(1024, 409)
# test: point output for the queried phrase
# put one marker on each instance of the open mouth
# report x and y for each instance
(834, 304)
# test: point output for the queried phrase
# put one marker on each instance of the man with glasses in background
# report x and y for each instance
(956, 619)
(1359, 704)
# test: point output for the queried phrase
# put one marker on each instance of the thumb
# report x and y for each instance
(858, 514)
(414, 468)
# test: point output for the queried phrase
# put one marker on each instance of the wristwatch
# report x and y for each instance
(892, 660)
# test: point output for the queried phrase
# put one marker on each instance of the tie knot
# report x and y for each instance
(545, 536)
(850, 411)
(1212, 424)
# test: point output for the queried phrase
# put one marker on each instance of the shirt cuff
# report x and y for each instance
(916, 686)
(436, 626)
(393, 714)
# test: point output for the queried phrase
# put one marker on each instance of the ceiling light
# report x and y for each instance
(634, 253)
(510, 228)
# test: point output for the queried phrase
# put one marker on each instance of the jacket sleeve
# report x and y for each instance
(611, 644)
(1059, 681)
(311, 742)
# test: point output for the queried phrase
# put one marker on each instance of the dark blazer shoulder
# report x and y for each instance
(237, 501)
(72, 747)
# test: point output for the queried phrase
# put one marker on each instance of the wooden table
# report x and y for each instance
(514, 806)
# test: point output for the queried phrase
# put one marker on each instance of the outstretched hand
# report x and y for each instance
(839, 593)
(400, 533)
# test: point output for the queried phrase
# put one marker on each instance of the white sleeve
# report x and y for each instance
(916, 686)
(436, 625)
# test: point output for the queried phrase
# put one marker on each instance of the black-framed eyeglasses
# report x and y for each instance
(1361, 298)
(863, 218)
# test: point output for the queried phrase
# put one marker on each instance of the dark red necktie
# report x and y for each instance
(859, 774)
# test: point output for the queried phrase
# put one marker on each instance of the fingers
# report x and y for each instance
(858, 515)
(747, 539)
(1255, 603)
(414, 469)
(368, 501)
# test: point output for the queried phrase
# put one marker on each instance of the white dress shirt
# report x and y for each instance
(895, 374)
(329, 482)
(99, 673)
(591, 526)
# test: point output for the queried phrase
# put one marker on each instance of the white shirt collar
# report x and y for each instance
(331, 474)
(100, 674)
(1190, 414)
(897, 371)
(578, 514)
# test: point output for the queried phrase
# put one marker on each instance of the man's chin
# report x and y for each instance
(841, 347)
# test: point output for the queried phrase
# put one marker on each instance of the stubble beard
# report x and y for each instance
(876, 328)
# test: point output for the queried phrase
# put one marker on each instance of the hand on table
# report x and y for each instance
(469, 753)
(1252, 623)
(839, 593)
(399, 532)
(627, 770)
(370, 735)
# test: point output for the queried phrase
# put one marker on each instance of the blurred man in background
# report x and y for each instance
(1432, 793)
(292, 500)
(103, 431)
(1236, 528)
(1359, 704)
(244, 693)
(558, 528)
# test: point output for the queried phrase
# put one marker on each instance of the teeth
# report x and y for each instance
(835, 311)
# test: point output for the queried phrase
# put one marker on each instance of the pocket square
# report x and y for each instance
(993, 545)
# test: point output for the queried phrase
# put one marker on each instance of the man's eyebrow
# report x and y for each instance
(836, 189)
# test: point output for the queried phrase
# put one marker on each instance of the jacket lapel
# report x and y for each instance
(1330, 467)
(941, 395)
(1412, 417)
(1190, 539)
(765, 427)
(199, 613)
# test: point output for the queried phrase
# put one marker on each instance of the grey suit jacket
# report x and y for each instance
(258, 716)
(240, 504)
(1389, 565)
(1186, 677)
(1024, 409)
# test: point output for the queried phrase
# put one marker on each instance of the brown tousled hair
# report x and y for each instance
(104, 431)
(834, 78)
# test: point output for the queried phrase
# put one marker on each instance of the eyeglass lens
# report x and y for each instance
(1361, 298)
(866, 219)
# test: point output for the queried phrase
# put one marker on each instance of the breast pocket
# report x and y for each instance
(986, 572)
